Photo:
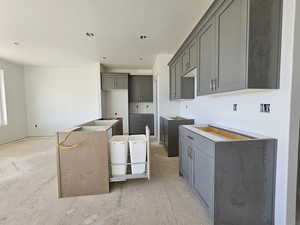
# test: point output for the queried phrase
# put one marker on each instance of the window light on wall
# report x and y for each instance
(3, 110)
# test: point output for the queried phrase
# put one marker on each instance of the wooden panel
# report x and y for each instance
(224, 133)
(84, 169)
(232, 31)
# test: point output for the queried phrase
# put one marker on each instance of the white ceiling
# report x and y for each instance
(52, 32)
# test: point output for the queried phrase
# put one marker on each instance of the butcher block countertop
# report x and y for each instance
(219, 133)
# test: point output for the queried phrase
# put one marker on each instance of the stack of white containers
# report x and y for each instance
(137, 146)
(119, 154)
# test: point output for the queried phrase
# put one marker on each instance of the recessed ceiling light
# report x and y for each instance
(90, 34)
(104, 57)
(16, 43)
(141, 58)
(143, 37)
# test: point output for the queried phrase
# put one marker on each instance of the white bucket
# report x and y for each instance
(118, 146)
(138, 150)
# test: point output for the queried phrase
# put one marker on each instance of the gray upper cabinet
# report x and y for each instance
(207, 59)
(112, 81)
(172, 81)
(236, 45)
(193, 54)
(189, 57)
(180, 87)
(108, 83)
(140, 88)
(134, 89)
(232, 42)
(185, 61)
(178, 75)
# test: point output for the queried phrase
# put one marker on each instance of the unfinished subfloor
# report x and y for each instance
(28, 193)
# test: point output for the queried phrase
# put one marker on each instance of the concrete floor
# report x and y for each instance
(28, 193)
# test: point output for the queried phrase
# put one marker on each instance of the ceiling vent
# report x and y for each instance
(90, 35)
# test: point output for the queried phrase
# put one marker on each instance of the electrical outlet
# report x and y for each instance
(265, 108)
(235, 107)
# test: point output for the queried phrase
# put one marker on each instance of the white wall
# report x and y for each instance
(15, 101)
(294, 162)
(61, 97)
(165, 107)
(218, 109)
(116, 101)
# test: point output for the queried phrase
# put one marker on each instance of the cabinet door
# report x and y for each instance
(161, 132)
(121, 82)
(146, 89)
(193, 54)
(178, 78)
(134, 89)
(185, 60)
(207, 58)
(204, 177)
(172, 81)
(184, 157)
(166, 133)
(108, 83)
(232, 31)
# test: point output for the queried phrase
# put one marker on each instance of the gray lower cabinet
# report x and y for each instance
(169, 133)
(140, 88)
(233, 180)
(138, 122)
(112, 81)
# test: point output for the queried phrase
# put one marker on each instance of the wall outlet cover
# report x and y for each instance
(265, 108)
(235, 107)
